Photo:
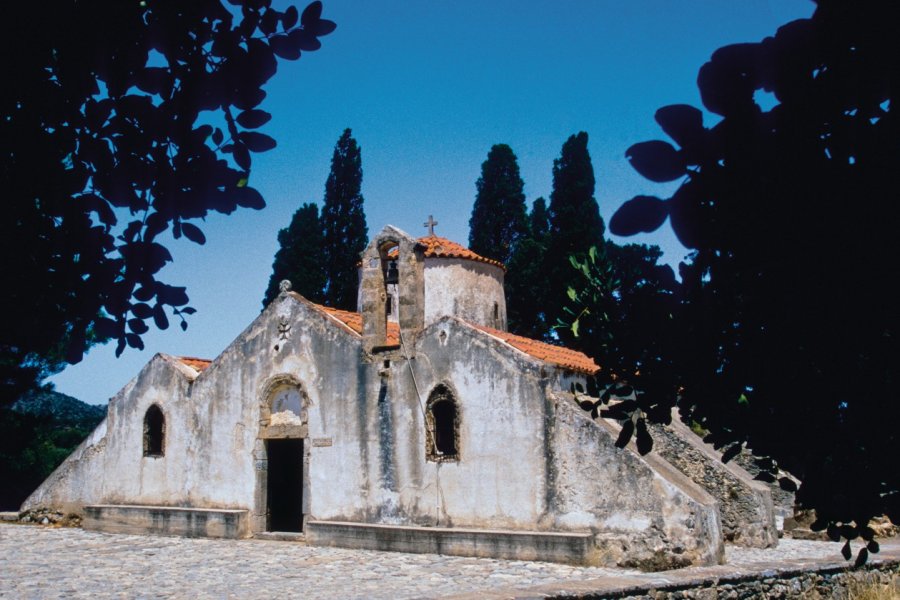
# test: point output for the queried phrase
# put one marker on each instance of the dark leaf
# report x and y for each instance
(134, 341)
(640, 214)
(137, 326)
(141, 310)
(120, 346)
(623, 390)
(251, 119)
(304, 40)
(586, 405)
(159, 317)
(873, 546)
(248, 197)
(249, 98)
(787, 484)
(242, 156)
(156, 224)
(76, 346)
(818, 525)
(656, 160)
(766, 477)
(644, 439)
(683, 123)
(833, 532)
(685, 213)
(289, 18)
(269, 22)
(283, 47)
(184, 326)
(323, 27)
(862, 557)
(143, 294)
(171, 295)
(257, 142)
(846, 552)
(625, 434)
(733, 451)
(261, 61)
(217, 136)
(311, 13)
(105, 328)
(849, 532)
(187, 310)
(193, 233)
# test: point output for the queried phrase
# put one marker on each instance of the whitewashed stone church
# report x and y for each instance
(417, 424)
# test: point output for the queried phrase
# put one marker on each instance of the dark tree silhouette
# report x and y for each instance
(526, 284)
(300, 257)
(343, 223)
(539, 221)
(121, 121)
(575, 222)
(499, 217)
(792, 327)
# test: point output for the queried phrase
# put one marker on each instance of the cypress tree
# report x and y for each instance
(300, 257)
(525, 283)
(539, 221)
(575, 222)
(343, 223)
(499, 217)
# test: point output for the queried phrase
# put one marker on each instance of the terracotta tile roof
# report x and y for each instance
(198, 364)
(353, 320)
(563, 357)
(438, 247)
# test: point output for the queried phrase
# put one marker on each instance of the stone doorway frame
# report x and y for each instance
(259, 518)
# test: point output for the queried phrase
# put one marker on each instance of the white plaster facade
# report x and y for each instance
(352, 390)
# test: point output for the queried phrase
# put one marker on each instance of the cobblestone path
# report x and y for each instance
(44, 562)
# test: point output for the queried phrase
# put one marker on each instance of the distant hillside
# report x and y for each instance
(37, 433)
(62, 409)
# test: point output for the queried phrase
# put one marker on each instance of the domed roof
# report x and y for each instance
(439, 247)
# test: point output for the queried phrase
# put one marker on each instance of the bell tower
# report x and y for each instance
(392, 289)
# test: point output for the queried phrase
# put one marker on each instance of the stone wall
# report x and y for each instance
(839, 583)
(745, 505)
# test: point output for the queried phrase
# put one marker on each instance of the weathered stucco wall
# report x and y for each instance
(212, 451)
(465, 289)
(645, 513)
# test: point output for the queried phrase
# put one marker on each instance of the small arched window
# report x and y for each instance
(442, 426)
(154, 432)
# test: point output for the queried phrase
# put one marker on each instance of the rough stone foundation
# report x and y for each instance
(837, 583)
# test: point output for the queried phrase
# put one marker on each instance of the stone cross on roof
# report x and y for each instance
(430, 223)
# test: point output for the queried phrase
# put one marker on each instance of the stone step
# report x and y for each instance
(281, 536)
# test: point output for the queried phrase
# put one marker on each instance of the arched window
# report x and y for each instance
(154, 432)
(442, 426)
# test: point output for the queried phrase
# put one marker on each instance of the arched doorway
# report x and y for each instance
(282, 474)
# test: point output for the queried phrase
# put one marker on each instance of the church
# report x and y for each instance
(417, 424)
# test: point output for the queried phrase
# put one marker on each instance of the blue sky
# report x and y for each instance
(428, 87)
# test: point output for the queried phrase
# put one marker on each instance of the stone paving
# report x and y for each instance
(46, 562)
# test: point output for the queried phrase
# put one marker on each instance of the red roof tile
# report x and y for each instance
(438, 247)
(198, 364)
(564, 357)
(353, 320)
